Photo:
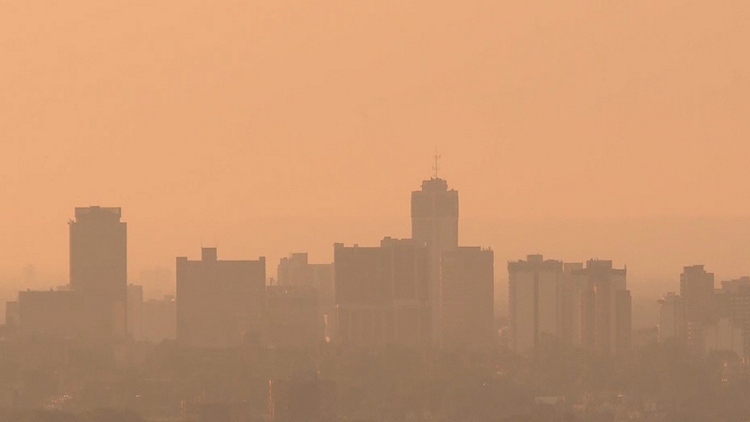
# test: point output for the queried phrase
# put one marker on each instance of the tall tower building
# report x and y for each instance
(697, 292)
(98, 269)
(670, 317)
(603, 322)
(536, 302)
(434, 222)
(467, 293)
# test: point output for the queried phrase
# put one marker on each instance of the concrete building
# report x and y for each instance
(605, 307)
(536, 302)
(467, 293)
(724, 336)
(296, 271)
(733, 302)
(698, 305)
(573, 285)
(383, 294)
(670, 317)
(98, 270)
(434, 222)
(220, 303)
(323, 280)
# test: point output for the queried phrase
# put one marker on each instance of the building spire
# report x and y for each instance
(436, 166)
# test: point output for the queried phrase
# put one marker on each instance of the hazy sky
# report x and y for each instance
(265, 127)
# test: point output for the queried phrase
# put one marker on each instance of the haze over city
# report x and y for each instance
(237, 211)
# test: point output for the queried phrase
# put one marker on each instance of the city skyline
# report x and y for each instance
(346, 211)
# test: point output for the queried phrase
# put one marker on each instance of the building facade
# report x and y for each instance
(698, 305)
(536, 293)
(98, 270)
(467, 294)
(434, 223)
(383, 294)
(220, 303)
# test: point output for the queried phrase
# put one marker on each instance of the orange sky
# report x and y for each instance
(577, 129)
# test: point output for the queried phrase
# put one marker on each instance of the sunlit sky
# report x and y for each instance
(577, 129)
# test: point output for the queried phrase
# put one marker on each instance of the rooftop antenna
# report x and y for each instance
(436, 166)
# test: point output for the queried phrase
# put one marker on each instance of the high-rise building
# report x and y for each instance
(536, 304)
(698, 305)
(734, 304)
(220, 303)
(571, 306)
(434, 222)
(604, 319)
(382, 294)
(724, 335)
(670, 317)
(98, 269)
(467, 294)
(296, 271)
(322, 279)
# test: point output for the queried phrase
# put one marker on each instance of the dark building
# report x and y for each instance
(383, 294)
(467, 284)
(98, 270)
(303, 398)
(434, 222)
(220, 303)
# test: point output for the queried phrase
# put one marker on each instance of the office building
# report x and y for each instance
(670, 317)
(434, 222)
(467, 293)
(536, 293)
(600, 292)
(98, 270)
(220, 303)
(698, 305)
(382, 294)
(323, 280)
(723, 335)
